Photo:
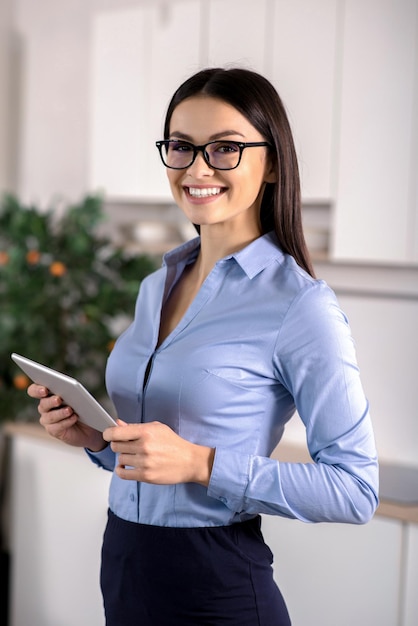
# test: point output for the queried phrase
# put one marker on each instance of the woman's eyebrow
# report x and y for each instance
(223, 133)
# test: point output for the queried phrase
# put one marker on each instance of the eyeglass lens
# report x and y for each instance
(219, 154)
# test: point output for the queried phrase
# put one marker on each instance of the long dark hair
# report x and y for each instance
(256, 98)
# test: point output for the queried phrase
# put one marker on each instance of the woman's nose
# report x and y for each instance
(199, 167)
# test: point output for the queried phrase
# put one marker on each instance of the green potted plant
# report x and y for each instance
(65, 295)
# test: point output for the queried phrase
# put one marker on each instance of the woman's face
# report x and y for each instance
(221, 198)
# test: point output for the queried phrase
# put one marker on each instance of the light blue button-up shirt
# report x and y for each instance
(261, 339)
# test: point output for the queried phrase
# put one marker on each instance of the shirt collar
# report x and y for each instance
(252, 259)
(259, 254)
(187, 252)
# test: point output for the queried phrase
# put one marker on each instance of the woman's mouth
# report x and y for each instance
(203, 192)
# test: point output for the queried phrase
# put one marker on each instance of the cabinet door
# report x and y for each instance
(236, 33)
(118, 102)
(338, 573)
(376, 202)
(303, 51)
(139, 57)
(58, 515)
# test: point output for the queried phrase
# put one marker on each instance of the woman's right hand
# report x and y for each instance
(60, 421)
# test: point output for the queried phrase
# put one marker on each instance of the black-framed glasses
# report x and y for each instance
(220, 155)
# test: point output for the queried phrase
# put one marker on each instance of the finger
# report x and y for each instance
(116, 433)
(56, 415)
(126, 459)
(57, 422)
(37, 391)
(127, 473)
(50, 403)
(56, 427)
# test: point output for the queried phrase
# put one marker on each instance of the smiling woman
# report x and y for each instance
(230, 337)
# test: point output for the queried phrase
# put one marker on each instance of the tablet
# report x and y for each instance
(71, 391)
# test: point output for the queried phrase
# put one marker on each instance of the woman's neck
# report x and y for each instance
(217, 245)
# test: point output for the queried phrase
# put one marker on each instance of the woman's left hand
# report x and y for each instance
(154, 453)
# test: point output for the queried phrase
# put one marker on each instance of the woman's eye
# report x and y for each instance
(226, 147)
(180, 147)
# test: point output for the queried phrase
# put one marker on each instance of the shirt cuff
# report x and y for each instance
(104, 459)
(229, 478)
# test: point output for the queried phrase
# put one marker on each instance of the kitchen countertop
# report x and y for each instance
(398, 484)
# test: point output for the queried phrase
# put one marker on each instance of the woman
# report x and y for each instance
(230, 336)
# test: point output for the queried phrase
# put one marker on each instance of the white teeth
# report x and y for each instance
(203, 193)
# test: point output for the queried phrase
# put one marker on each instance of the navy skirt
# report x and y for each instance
(159, 576)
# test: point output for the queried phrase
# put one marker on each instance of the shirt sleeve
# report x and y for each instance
(104, 459)
(315, 360)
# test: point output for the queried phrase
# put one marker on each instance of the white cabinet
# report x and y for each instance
(333, 574)
(376, 196)
(58, 515)
(118, 162)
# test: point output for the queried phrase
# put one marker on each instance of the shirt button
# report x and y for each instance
(132, 497)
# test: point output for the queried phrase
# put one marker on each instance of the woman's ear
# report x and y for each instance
(270, 175)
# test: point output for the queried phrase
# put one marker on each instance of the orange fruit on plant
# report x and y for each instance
(57, 268)
(21, 381)
(4, 257)
(33, 256)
